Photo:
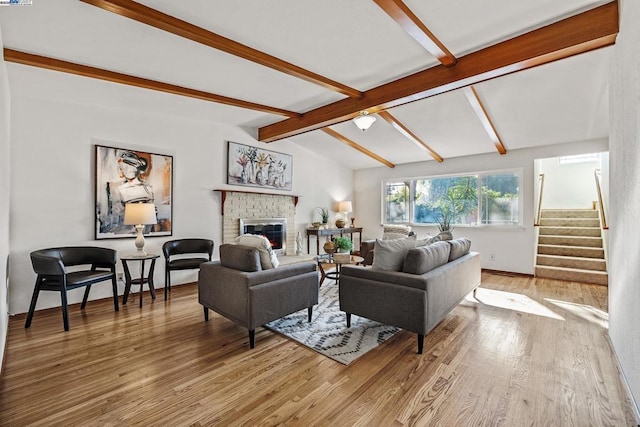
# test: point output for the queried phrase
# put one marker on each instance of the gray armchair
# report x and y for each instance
(237, 288)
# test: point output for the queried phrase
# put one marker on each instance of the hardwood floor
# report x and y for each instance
(526, 352)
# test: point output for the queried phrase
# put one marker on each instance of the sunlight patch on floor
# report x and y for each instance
(513, 301)
(586, 312)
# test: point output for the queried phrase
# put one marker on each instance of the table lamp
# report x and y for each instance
(344, 207)
(140, 214)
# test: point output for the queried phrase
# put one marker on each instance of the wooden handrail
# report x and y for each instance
(539, 210)
(603, 219)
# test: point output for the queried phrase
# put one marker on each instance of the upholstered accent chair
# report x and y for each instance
(184, 254)
(237, 288)
(51, 266)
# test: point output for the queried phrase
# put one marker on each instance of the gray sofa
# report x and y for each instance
(433, 281)
(239, 289)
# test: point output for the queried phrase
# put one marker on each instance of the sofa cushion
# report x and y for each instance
(389, 254)
(459, 247)
(427, 240)
(240, 257)
(395, 231)
(423, 259)
(268, 258)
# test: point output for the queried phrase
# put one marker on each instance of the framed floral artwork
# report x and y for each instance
(257, 167)
(130, 176)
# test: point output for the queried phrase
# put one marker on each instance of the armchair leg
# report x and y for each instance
(167, 282)
(206, 313)
(420, 343)
(310, 312)
(252, 338)
(65, 310)
(32, 307)
(114, 285)
(348, 320)
(85, 297)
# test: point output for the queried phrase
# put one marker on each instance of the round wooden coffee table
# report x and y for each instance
(331, 259)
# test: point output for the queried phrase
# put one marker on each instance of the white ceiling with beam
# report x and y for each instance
(354, 43)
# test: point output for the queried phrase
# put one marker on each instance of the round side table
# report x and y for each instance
(141, 280)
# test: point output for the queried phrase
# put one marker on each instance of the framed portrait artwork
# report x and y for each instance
(131, 176)
(257, 167)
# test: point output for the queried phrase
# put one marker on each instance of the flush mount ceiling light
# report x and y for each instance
(364, 120)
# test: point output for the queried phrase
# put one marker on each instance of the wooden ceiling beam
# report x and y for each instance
(581, 33)
(111, 76)
(155, 18)
(412, 25)
(481, 112)
(357, 146)
(400, 127)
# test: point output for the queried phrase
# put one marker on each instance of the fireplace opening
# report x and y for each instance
(274, 229)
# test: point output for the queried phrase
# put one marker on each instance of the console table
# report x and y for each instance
(318, 232)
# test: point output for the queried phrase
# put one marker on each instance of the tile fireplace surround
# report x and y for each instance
(239, 204)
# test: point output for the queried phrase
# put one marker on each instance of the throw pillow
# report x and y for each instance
(268, 258)
(389, 254)
(427, 240)
(424, 259)
(459, 247)
(395, 231)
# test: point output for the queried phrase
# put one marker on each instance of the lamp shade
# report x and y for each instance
(345, 206)
(140, 214)
(364, 120)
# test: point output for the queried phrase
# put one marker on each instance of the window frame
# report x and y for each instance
(411, 181)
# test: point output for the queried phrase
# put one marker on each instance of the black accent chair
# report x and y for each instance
(182, 247)
(51, 267)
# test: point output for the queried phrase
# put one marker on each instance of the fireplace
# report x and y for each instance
(274, 229)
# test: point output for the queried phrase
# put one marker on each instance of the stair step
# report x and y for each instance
(575, 251)
(570, 231)
(570, 222)
(571, 262)
(573, 275)
(569, 213)
(592, 242)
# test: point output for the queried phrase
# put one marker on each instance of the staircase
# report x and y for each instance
(570, 246)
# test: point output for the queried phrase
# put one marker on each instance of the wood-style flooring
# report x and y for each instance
(527, 352)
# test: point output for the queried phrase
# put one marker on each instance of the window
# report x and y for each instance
(491, 198)
(397, 202)
(579, 158)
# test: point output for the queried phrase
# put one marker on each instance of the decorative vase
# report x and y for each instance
(299, 244)
(446, 235)
(340, 223)
(329, 247)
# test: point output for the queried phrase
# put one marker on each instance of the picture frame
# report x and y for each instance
(123, 176)
(256, 167)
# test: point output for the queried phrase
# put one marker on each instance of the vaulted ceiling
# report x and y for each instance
(444, 79)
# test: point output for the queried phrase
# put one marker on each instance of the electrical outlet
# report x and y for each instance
(492, 257)
(120, 276)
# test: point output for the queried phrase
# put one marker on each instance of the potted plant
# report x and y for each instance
(324, 214)
(343, 244)
(459, 200)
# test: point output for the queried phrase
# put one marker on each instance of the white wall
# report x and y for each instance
(568, 186)
(5, 190)
(52, 178)
(513, 249)
(624, 155)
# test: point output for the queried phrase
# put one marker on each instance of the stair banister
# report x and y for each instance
(537, 220)
(603, 219)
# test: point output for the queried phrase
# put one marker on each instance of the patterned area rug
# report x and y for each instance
(327, 333)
